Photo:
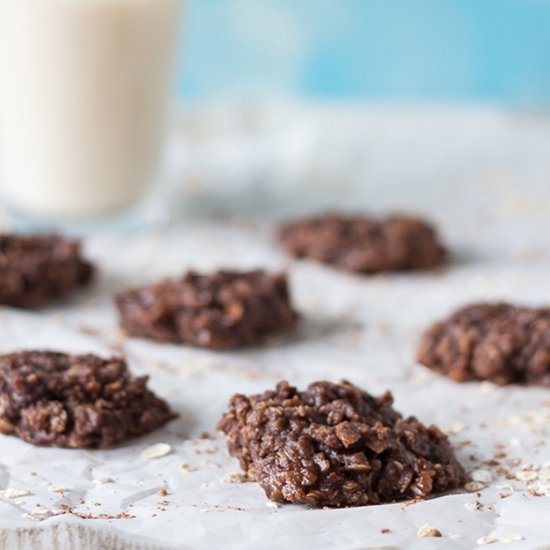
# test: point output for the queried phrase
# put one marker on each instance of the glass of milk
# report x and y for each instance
(84, 91)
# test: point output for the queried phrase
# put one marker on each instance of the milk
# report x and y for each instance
(84, 86)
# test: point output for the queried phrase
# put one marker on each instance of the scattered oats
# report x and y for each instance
(542, 489)
(532, 421)
(544, 474)
(209, 465)
(474, 486)
(39, 513)
(156, 451)
(187, 468)
(233, 477)
(506, 488)
(58, 510)
(515, 442)
(484, 476)
(11, 492)
(512, 537)
(33, 517)
(487, 387)
(271, 504)
(455, 428)
(527, 475)
(485, 540)
(428, 531)
(103, 480)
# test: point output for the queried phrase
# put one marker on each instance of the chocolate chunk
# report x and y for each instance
(503, 343)
(225, 310)
(335, 445)
(364, 244)
(49, 398)
(37, 269)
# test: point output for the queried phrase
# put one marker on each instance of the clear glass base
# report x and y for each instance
(151, 214)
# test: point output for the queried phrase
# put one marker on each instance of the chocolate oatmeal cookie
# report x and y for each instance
(225, 310)
(364, 244)
(503, 343)
(37, 269)
(335, 445)
(49, 398)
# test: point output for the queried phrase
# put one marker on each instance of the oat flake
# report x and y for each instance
(512, 537)
(485, 540)
(11, 492)
(156, 451)
(428, 531)
(474, 486)
(483, 476)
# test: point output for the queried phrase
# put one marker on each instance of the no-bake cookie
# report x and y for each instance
(364, 244)
(225, 310)
(49, 398)
(335, 445)
(37, 269)
(501, 342)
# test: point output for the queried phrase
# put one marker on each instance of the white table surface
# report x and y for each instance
(483, 175)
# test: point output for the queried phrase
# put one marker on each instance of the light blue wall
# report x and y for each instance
(361, 49)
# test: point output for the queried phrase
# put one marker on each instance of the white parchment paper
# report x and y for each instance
(481, 175)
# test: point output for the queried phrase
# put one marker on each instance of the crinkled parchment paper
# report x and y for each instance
(481, 175)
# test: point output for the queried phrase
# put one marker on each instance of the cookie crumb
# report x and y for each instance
(186, 468)
(474, 505)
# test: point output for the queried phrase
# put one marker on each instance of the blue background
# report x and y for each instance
(406, 50)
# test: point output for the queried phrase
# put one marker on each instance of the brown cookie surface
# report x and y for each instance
(49, 398)
(364, 244)
(38, 269)
(335, 445)
(225, 310)
(503, 343)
